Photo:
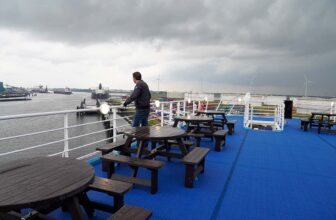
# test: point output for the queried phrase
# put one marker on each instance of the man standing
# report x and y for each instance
(141, 95)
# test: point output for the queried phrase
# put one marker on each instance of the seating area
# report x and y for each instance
(286, 175)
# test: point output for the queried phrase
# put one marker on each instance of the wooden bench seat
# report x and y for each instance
(231, 124)
(197, 136)
(195, 164)
(188, 144)
(115, 188)
(304, 124)
(220, 139)
(108, 148)
(134, 163)
(128, 212)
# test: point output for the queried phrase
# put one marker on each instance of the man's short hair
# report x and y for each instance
(137, 75)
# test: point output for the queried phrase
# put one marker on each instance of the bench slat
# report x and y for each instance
(195, 156)
(110, 147)
(109, 186)
(220, 133)
(128, 212)
(138, 162)
(129, 179)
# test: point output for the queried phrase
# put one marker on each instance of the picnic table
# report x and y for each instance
(321, 119)
(143, 135)
(155, 134)
(44, 184)
(194, 120)
(197, 126)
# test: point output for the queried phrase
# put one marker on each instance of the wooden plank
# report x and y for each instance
(137, 162)
(220, 133)
(128, 212)
(130, 179)
(110, 147)
(109, 186)
(195, 156)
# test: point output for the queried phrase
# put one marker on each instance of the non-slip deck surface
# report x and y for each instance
(257, 175)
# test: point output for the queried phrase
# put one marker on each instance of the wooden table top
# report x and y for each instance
(32, 183)
(322, 114)
(211, 112)
(196, 119)
(154, 133)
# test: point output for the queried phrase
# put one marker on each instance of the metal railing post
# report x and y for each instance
(193, 109)
(178, 108)
(66, 136)
(170, 112)
(184, 108)
(162, 114)
(114, 118)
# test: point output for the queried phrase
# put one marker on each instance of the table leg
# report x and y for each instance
(138, 155)
(183, 148)
(85, 201)
(74, 208)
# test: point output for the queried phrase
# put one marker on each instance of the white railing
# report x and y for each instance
(271, 115)
(66, 127)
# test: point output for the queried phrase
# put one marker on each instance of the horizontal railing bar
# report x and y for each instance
(88, 155)
(31, 134)
(29, 148)
(76, 148)
(89, 123)
(83, 135)
(51, 113)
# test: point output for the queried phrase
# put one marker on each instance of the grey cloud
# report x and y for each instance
(278, 40)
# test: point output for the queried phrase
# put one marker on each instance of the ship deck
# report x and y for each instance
(258, 175)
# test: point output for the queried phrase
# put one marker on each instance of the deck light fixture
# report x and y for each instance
(104, 108)
(157, 103)
(189, 100)
(239, 99)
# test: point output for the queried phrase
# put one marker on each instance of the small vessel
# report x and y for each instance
(100, 93)
(40, 89)
(65, 91)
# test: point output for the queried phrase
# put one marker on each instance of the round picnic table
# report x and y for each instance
(156, 134)
(42, 182)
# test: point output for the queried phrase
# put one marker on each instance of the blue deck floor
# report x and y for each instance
(258, 175)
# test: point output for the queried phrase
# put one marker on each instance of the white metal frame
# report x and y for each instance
(278, 114)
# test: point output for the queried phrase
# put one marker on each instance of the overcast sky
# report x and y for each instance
(191, 45)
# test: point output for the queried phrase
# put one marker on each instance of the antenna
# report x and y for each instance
(251, 84)
(158, 85)
(306, 84)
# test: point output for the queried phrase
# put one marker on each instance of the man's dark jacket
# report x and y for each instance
(141, 95)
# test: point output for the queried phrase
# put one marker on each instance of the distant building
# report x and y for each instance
(2, 89)
(175, 95)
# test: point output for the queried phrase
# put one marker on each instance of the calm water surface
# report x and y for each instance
(47, 103)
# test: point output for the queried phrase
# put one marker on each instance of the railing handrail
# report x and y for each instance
(30, 115)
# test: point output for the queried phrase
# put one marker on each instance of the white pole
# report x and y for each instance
(184, 108)
(178, 108)
(66, 136)
(162, 115)
(193, 110)
(251, 116)
(170, 112)
(114, 118)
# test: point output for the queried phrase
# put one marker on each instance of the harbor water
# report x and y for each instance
(48, 103)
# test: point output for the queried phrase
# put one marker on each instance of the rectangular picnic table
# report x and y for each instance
(322, 120)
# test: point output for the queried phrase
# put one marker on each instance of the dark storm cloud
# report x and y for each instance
(274, 42)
